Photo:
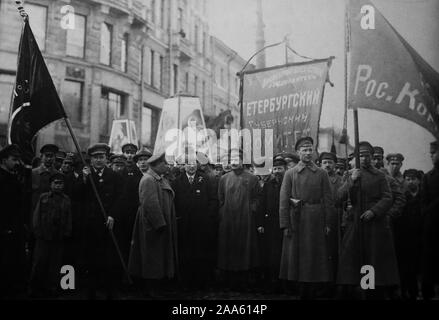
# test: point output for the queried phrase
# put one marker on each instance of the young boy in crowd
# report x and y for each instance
(52, 225)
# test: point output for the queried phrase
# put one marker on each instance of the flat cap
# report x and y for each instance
(98, 148)
(378, 150)
(327, 155)
(412, 173)
(53, 148)
(56, 176)
(10, 150)
(128, 146)
(341, 162)
(395, 157)
(279, 162)
(218, 166)
(61, 154)
(118, 158)
(142, 153)
(304, 141)
(364, 146)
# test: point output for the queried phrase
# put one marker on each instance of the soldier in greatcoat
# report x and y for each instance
(368, 239)
(154, 253)
(305, 209)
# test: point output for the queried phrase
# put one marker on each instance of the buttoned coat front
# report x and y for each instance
(306, 254)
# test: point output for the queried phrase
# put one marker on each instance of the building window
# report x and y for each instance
(180, 19)
(204, 43)
(195, 85)
(106, 42)
(153, 11)
(72, 100)
(152, 67)
(196, 37)
(203, 95)
(38, 23)
(160, 77)
(150, 121)
(162, 14)
(147, 68)
(186, 82)
(76, 38)
(175, 79)
(112, 107)
(124, 52)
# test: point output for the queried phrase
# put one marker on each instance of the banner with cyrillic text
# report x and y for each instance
(287, 99)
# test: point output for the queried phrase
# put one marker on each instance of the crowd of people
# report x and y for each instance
(304, 227)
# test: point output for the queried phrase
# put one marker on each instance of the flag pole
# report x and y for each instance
(356, 138)
(25, 17)
(98, 198)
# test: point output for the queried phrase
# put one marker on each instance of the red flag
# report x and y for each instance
(35, 102)
(386, 73)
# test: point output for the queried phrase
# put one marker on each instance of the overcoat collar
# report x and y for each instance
(311, 165)
(154, 174)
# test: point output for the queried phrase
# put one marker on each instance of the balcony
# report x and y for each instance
(183, 46)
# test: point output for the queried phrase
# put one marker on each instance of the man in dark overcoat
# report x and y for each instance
(268, 226)
(430, 234)
(102, 263)
(368, 239)
(407, 234)
(195, 204)
(12, 220)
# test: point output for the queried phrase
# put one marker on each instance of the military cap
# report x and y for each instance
(365, 146)
(218, 166)
(291, 157)
(142, 153)
(434, 146)
(10, 150)
(395, 157)
(61, 155)
(378, 150)
(327, 155)
(279, 162)
(56, 176)
(53, 148)
(98, 148)
(303, 141)
(118, 158)
(70, 157)
(341, 161)
(156, 158)
(128, 145)
(412, 173)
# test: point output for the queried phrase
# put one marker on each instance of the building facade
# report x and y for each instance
(118, 60)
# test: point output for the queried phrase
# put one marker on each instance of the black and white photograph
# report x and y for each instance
(219, 157)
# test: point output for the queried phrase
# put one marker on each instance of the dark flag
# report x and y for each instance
(387, 74)
(35, 102)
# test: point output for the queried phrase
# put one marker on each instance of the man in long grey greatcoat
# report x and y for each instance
(153, 254)
(306, 206)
